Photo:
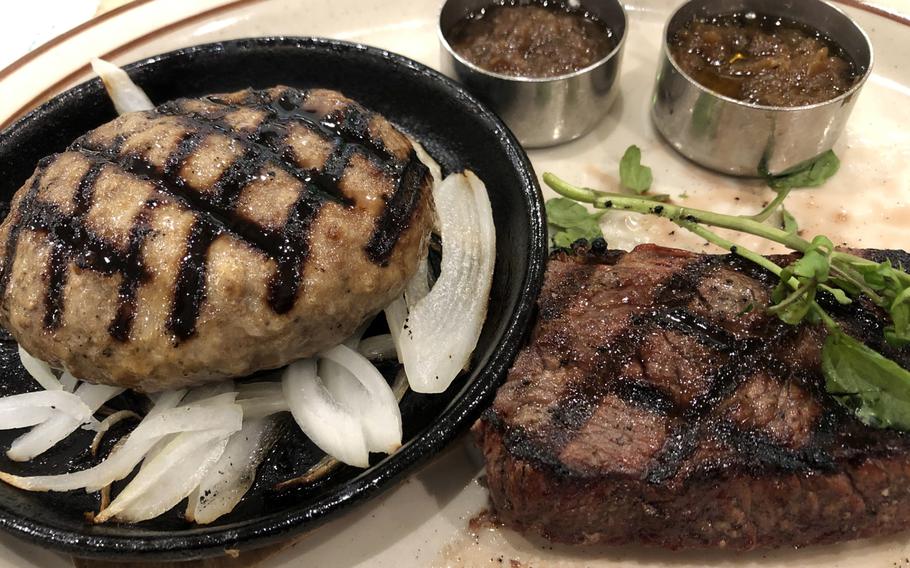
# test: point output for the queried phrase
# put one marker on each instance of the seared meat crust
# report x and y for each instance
(212, 237)
(658, 403)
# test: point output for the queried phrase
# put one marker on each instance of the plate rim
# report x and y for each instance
(54, 88)
(454, 420)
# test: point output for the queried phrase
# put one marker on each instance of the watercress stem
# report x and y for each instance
(769, 209)
(723, 243)
(845, 272)
(675, 213)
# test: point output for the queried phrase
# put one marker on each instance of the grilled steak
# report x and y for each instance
(212, 237)
(658, 403)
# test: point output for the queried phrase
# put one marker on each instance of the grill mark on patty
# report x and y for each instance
(122, 324)
(189, 288)
(73, 241)
(350, 125)
(284, 285)
(61, 252)
(25, 213)
(289, 246)
(233, 180)
(349, 129)
(265, 145)
(399, 208)
(176, 188)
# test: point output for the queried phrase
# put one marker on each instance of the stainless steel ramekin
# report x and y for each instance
(541, 111)
(740, 138)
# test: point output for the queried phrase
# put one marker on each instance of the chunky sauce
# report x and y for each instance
(763, 60)
(545, 39)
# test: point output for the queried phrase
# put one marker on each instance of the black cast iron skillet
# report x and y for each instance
(456, 129)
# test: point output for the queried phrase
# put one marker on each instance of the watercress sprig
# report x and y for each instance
(873, 387)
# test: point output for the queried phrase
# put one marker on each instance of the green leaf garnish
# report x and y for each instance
(569, 221)
(632, 174)
(813, 174)
(816, 260)
(898, 333)
(809, 272)
(788, 221)
(876, 388)
(792, 306)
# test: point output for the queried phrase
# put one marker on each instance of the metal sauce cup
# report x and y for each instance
(541, 111)
(740, 138)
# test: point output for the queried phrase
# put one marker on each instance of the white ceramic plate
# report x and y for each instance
(425, 521)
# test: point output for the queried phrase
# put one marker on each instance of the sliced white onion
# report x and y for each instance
(261, 399)
(126, 95)
(428, 161)
(328, 464)
(436, 338)
(395, 314)
(359, 385)
(162, 401)
(96, 395)
(330, 425)
(229, 480)
(260, 407)
(169, 478)
(213, 393)
(60, 400)
(378, 347)
(216, 394)
(68, 381)
(419, 285)
(354, 340)
(39, 370)
(23, 417)
(259, 389)
(400, 385)
(123, 459)
(43, 437)
(165, 401)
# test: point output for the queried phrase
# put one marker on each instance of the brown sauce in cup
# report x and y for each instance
(763, 60)
(544, 39)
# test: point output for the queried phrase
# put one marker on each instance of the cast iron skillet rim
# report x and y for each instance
(454, 419)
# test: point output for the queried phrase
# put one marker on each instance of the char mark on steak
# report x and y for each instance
(659, 403)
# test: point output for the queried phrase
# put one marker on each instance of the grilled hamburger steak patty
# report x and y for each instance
(658, 403)
(212, 237)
